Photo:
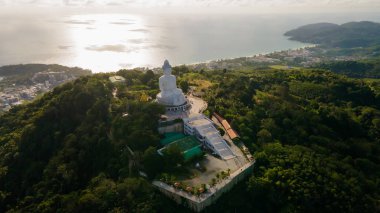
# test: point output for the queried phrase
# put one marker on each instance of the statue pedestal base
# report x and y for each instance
(183, 107)
(177, 112)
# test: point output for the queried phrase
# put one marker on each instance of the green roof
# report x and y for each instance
(190, 153)
(186, 143)
(189, 145)
(171, 137)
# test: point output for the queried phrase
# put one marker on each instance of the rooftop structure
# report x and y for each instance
(171, 137)
(188, 145)
(204, 130)
(117, 79)
(230, 132)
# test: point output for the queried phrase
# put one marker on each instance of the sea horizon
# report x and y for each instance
(109, 42)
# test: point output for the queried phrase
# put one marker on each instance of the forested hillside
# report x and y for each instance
(354, 69)
(22, 74)
(59, 154)
(315, 136)
(348, 35)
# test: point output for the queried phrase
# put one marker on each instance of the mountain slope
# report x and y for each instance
(314, 134)
(58, 153)
(349, 35)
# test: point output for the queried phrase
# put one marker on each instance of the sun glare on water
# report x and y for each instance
(111, 41)
(107, 42)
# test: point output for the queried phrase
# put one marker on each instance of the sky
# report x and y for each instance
(239, 6)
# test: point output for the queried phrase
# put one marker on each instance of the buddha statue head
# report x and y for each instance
(167, 68)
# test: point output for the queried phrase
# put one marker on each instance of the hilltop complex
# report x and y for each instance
(198, 139)
(177, 106)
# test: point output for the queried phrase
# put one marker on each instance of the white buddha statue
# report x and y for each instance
(170, 95)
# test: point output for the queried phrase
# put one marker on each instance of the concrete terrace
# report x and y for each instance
(198, 203)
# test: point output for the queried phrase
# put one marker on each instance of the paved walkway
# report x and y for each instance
(213, 166)
(197, 105)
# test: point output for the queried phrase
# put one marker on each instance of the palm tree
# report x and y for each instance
(213, 182)
(223, 175)
(204, 186)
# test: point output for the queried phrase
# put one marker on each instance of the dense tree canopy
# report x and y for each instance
(315, 136)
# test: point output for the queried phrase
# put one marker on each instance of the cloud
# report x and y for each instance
(122, 23)
(160, 46)
(140, 30)
(108, 48)
(189, 5)
(137, 41)
(80, 22)
(64, 47)
(182, 2)
(125, 65)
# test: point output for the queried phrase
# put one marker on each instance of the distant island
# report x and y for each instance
(348, 35)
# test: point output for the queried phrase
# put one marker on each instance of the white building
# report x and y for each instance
(205, 131)
(117, 79)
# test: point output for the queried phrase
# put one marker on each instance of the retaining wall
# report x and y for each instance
(199, 203)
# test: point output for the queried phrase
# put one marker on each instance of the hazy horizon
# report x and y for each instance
(105, 35)
(193, 6)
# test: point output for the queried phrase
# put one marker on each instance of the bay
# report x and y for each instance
(108, 42)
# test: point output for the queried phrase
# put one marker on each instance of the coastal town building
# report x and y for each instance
(40, 82)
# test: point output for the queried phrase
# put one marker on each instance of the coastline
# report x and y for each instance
(200, 63)
(251, 56)
(186, 64)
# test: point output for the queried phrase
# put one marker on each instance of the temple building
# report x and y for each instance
(194, 125)
(204, 130)
(171, 96)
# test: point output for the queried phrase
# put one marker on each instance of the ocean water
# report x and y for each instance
(108, 42)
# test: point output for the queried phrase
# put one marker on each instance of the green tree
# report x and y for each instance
(152, 162)
(172, 157)
(184, 85)
(264, 136)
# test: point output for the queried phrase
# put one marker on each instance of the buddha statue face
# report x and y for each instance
(167, 68)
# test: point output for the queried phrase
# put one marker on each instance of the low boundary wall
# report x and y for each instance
(211, 196)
